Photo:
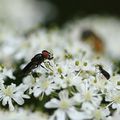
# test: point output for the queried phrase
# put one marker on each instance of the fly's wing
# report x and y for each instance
(35, 61)
(37, 58)
(27, 69)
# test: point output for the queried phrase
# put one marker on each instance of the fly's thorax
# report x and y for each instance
(37, 58)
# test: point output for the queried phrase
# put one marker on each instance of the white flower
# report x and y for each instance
(65, 74)
(100, 114)
(95, 113)
(29, 81)
(113, 83)
(6, 73)
(69, 80)
(88, 93)
(99, 83)
(114, 98)
(11, 92)
(65, 108)
(43, 86)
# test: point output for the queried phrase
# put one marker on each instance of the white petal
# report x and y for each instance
(26, 96)
(11, 107)
(1, 96)
(5, 100)
(77, 98)
(88, 107)
(63, 95)
(37, 92)
(22, 87)
(60, 115)
(75, 115)
(53, 103)
(18, 99)
(48, 91)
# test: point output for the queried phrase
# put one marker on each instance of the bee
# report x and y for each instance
(94, 40)
(36, 61)
(104, 72)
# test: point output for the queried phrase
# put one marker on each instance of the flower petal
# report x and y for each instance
(53, 103)
(5, 100)
(18, 99)
(26, 96)
(63, 95)
(37, 92)
(11, 107)
(75, 115)
(60, 115)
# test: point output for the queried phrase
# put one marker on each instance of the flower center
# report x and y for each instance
(64, 104)
(45, 84)
(87, 96)
(8, 91)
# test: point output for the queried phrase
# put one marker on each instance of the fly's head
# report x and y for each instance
(47, 55)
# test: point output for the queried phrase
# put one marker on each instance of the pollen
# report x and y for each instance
(87, 96)
(8, 91)
(64, 104)
(45, 84)
(60, 70)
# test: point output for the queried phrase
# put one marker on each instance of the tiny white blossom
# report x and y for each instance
(88, 93)
(65, 75)
(29, 81)
(9, 93)
(99, 83)
(6, 73)
(95, 113)
(65, 108)
(100, 114)
(114, 98)
(43, 86)
(113, 83)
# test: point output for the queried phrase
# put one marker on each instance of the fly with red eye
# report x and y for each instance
(36, 61)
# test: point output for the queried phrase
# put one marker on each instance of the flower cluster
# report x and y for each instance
(77, 84)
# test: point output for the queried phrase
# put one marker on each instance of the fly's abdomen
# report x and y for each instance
(28, 68)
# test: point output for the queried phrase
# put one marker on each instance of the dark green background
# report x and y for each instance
(70, 9)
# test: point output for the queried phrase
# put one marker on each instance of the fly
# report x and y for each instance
(36, 61)
(104, 72)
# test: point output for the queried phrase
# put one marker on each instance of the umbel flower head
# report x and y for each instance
(71, 87)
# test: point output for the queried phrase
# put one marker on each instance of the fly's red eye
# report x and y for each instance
(45, 54)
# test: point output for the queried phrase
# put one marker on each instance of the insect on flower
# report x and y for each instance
(37, 60)
(104, 72)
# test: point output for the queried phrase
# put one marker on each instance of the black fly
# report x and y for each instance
(104, 72)
(36, 61)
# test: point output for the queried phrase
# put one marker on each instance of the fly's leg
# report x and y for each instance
(43, 67)
(49, 64)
